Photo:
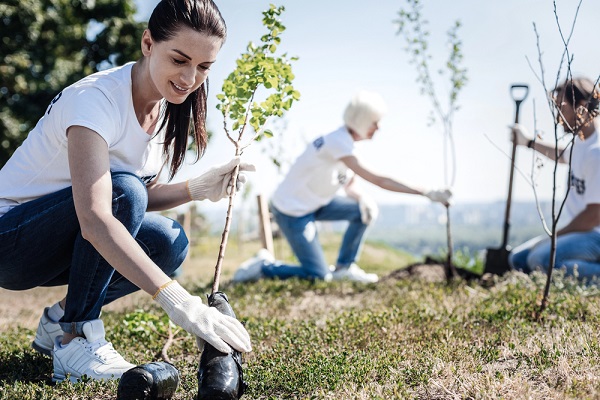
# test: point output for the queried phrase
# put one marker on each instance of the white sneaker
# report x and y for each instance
(353, 273)
(251, 270)
(47, 331)
(91, 356)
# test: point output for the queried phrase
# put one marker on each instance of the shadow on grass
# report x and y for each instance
(26, 367)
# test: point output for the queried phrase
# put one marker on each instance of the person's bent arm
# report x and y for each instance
(164, 196)
(383, 182)
(522, 137)
(585, 221)
(92, 194)
(548, 151)
(214, 184)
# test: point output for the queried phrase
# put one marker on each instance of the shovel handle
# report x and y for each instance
(518, 92)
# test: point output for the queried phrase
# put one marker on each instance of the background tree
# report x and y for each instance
(583, 118)
(49, 44)
(413, 27)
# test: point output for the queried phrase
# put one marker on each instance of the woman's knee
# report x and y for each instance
(180, 246)
(130, 197)
(165, 241)
(537, 259)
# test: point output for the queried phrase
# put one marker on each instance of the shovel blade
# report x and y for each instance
(496, 261)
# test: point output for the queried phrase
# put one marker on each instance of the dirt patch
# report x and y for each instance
(316, 303)
(430, 270)
(424, 272)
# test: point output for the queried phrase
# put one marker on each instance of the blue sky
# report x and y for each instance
(346, 46)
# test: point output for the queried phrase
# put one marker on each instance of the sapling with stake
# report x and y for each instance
(220, 375)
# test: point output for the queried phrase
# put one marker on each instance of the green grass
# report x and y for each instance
(395, 339)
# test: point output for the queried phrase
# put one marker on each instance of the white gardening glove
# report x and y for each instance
(440, 196)
(368, 209)
(520, 135)
(215, 183)
(205, 322)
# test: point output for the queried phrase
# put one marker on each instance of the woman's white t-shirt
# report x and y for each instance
(585, 176)
(101, 102)
(316, 175)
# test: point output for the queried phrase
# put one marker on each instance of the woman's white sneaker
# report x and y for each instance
(91, 356)
(251, 270)
(354, 273)
(47, 332)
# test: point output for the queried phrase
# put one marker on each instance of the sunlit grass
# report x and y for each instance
(390, 340)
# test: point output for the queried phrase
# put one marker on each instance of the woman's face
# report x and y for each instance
(372, 129)
(568, 119)
(179, 66)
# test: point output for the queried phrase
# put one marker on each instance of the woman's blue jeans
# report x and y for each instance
(41, 245)
(301, 233)
(574, 251)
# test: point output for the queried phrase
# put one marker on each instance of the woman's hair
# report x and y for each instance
(364, 109)
(578, 90)
(189, 117)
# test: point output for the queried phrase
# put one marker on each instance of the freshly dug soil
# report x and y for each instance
(430, 270)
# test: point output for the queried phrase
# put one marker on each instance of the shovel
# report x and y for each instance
(496, 260)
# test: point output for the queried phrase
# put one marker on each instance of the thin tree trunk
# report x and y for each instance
(225, 235)
(449, 269)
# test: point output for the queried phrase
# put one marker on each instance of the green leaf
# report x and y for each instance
(259, 67)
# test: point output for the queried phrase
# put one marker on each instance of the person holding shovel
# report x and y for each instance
(308, 194)
(74, 198)
(578, 241)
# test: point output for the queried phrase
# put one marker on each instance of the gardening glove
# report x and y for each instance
(215, 184)
(440, 196)
(202, 321)
(368, 209)
(520, 135)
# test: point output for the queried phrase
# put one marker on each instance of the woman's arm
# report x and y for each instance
(585, 221)
(92, 194)
(521, 137)
(214, 185)
(163, 196)
(379, 180)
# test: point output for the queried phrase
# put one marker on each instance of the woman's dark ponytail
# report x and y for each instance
(188, 118)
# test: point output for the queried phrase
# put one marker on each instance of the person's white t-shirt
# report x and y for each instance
(316, 175)
(101, 102)
(585, 176)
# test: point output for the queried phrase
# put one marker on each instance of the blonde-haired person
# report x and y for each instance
(578, 241)
(308, 194)
(74, 198)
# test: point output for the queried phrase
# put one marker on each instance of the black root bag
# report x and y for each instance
(220, 375)
(152, 381)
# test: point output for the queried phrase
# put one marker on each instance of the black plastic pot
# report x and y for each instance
(152, 381)
(220, 375)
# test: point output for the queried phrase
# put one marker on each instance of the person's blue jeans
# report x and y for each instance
(574, 251)
(41, 245)
(301, 233)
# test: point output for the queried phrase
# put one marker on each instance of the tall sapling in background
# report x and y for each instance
(220, 375)
(413, 28)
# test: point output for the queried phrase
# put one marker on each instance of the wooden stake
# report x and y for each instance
(264, 222)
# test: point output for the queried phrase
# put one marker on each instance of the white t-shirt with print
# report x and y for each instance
(101, 102)
(316, 175)
(585, 176)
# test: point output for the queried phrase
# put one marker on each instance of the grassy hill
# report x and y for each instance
(396, 339)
